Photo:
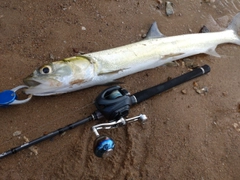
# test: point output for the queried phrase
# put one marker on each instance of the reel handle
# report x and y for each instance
(104, 145)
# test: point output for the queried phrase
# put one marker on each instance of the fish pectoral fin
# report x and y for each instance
(212, 52)
(111, 72)
(154, 32)
(171, 55)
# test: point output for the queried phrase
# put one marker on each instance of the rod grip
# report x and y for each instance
(148, 93)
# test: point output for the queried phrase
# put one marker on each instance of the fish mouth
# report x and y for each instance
(39, 87)
(31, 83)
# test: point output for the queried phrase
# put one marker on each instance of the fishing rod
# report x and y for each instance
(114, 104)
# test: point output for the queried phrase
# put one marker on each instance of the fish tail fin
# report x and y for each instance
(235, 26)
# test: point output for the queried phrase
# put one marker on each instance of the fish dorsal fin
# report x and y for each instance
(154, 32)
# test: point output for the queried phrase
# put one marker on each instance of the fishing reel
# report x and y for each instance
(114, 104)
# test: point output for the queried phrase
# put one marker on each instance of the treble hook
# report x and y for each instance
(9, 97)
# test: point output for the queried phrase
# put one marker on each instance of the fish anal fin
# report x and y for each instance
(154, 32)
(212, 52)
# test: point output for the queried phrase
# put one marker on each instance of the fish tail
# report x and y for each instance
(235, 26)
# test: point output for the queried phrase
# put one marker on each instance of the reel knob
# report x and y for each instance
(103, 146)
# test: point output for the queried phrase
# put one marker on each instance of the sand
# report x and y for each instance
(187, 135)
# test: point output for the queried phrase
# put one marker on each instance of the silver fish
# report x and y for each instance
(102, 67)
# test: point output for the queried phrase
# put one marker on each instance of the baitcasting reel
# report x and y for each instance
(114, 104)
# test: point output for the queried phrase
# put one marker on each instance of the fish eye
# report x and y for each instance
(45, 70)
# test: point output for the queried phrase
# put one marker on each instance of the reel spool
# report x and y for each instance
(114, 103)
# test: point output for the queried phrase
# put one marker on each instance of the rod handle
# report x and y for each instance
(148, 93)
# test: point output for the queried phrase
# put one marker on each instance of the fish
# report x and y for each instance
(106, 66)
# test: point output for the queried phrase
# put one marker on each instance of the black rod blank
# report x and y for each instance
(45, 137)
